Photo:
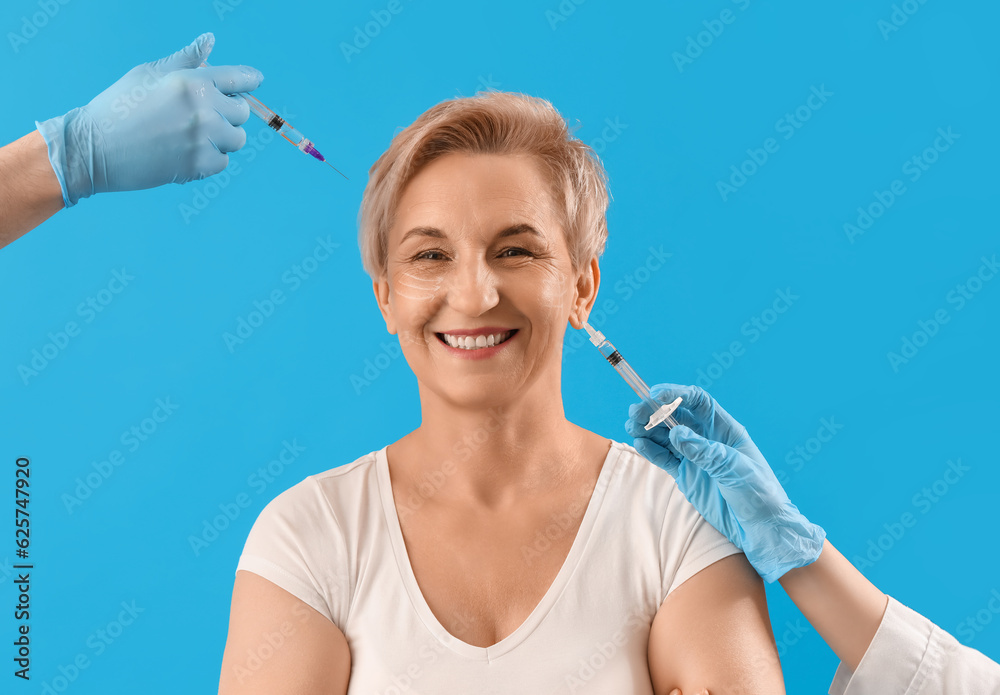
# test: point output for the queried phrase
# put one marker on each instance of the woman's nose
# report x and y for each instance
(473, 288)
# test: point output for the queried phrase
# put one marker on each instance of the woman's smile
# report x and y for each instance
(477, 344)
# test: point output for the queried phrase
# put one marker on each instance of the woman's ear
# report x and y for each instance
(381, 289)
(587, 284)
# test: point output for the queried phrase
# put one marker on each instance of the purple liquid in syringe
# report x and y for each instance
(309, 149)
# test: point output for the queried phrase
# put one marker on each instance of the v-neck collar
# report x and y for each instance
(548, 600)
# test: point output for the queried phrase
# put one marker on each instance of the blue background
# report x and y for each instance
(680, 127)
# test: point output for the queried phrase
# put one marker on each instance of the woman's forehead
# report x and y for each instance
(462, 193)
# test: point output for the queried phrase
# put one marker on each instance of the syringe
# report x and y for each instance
(661, 412)
(284, 128)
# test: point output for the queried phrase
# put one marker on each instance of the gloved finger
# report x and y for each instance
(209, 163)
(741, 479)
(713, 417)
(711, 456)
(191, 56)
(639, 414)
(658, 456)
(233, 79)
(730, 437)
(234, 109)
(638, 430)
(228, 138)
(694, 398)
(683, 416)
(640, 411)
(661, 393)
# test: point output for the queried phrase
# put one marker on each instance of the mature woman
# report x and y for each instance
(327, 589)
(498, 547)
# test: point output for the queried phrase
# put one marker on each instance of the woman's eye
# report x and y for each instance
(513, 248)
(435, 255)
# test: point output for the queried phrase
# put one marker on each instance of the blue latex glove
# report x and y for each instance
(725, 477)
(164, 121)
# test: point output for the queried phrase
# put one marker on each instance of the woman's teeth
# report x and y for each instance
(468, 342)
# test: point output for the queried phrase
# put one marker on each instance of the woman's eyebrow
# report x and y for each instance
(435, 233)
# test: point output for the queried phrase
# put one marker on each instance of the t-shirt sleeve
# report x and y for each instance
(297, 543)
(688, 543)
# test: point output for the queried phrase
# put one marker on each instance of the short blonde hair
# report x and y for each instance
(490, 123)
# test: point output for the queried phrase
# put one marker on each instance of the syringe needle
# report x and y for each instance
(336, 169)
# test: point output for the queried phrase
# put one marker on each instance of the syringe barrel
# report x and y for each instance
(275, 122)
(634, 380)
(609, 352)
(263, 113)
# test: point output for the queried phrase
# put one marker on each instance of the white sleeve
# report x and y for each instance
(297, 543)
(910, 655)
(688, 543)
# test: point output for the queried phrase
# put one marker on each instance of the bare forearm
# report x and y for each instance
(844, 607)
(29, 189)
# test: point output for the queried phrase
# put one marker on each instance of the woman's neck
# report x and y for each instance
(495, 454)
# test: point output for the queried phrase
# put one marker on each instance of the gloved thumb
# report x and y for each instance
(191, 56)
(708, 455)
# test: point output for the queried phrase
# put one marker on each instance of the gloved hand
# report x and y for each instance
(725, 477)
(164, 121)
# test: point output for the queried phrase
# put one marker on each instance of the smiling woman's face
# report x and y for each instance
(477, 250)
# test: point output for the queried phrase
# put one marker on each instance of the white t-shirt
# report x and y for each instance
(334, 541)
